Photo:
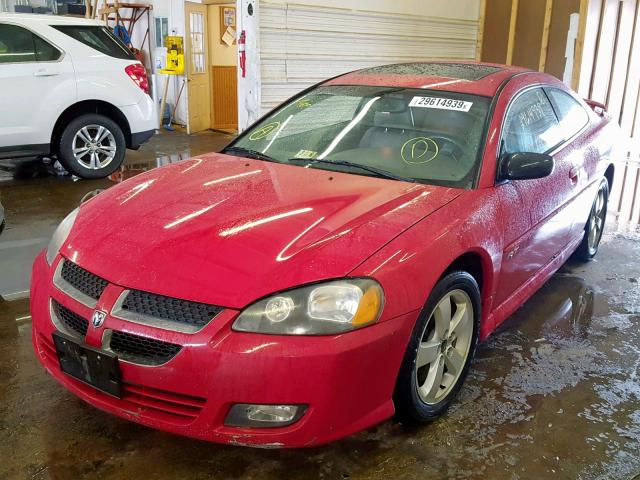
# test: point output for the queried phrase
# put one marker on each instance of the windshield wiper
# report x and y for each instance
(247, 152)
(345, 163)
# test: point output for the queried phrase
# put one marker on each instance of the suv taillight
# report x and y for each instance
(138, 74)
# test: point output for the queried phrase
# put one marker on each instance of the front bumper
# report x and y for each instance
(347, 380)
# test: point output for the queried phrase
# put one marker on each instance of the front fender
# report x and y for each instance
(409, 266)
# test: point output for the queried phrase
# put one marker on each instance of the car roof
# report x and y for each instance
(39, 19)
(457, 76)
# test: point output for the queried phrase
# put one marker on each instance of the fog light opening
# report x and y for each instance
(263, 416)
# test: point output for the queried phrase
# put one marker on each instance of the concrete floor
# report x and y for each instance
(554, 394)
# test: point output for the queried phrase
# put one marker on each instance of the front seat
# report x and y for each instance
(389, 129)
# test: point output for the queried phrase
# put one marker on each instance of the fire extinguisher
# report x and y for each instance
(242, 46)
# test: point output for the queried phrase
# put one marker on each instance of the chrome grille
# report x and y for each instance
(192, 315)
(88, 283)
(78, 283)
(134, 305)
(70, 320)
(137, 349)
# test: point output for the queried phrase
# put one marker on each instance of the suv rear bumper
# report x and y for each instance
(139, 138)
(142, 119)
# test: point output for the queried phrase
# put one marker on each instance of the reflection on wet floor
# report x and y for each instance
(554, 393)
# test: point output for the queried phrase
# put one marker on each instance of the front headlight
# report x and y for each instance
(60, 235)
(321, 309)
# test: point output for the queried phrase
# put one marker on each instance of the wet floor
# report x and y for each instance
(554, 394)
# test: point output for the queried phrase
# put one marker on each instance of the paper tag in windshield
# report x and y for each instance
(441, 103)
(306, 154)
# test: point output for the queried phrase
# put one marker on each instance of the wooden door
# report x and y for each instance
(224, 96)
(197, 67)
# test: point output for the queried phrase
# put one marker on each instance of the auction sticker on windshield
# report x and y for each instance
(441, 103)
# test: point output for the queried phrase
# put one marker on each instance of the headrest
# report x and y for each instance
(392, 104)
(393, 120)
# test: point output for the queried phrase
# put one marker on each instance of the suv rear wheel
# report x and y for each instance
(92, 146)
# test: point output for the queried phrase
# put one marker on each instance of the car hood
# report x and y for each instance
(227, 230)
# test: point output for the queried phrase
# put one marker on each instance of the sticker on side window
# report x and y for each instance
(441, 103)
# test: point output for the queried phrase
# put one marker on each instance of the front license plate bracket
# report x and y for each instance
(92, 366)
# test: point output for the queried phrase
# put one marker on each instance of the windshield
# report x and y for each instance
(410, 134)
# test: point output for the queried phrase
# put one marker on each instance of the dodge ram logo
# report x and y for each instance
(98, 318)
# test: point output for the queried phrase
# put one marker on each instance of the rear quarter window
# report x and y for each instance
(572, 116)
(99, 38)
(45, 52)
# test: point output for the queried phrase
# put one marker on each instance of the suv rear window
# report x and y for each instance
(98, 38)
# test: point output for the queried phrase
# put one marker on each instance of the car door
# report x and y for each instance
(31, 68)
(535, 220)
(581, 156)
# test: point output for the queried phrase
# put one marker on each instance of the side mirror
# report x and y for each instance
(525, 166)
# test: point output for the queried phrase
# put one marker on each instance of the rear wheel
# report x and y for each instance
(92, 146)
(595, 224)
(440, 350)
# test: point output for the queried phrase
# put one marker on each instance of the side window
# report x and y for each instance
(572, 115)
(19, 45)
(16, 45)
(531, 124)
(45, 52)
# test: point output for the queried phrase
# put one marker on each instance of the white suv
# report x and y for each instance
(70, 88)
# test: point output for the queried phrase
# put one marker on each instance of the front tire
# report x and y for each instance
(440, 350)
(92, 146)
(595, 224)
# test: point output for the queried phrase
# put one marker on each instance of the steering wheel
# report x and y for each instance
(455, 150)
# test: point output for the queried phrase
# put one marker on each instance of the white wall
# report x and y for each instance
(249, 86)
(302, 42)
(174, 11)
(461, 9)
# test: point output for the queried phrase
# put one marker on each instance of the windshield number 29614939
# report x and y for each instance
(441, 103)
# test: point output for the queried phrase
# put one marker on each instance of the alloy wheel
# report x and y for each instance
(444, 346)
(596, 221)
(94, 147)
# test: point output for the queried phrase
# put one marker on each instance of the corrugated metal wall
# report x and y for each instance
(301, 45)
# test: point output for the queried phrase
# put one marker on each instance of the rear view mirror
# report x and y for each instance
(525, 166)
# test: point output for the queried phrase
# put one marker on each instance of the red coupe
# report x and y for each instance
(334, 265)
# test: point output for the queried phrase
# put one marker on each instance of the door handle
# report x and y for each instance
(574, 173)
(45, 73)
